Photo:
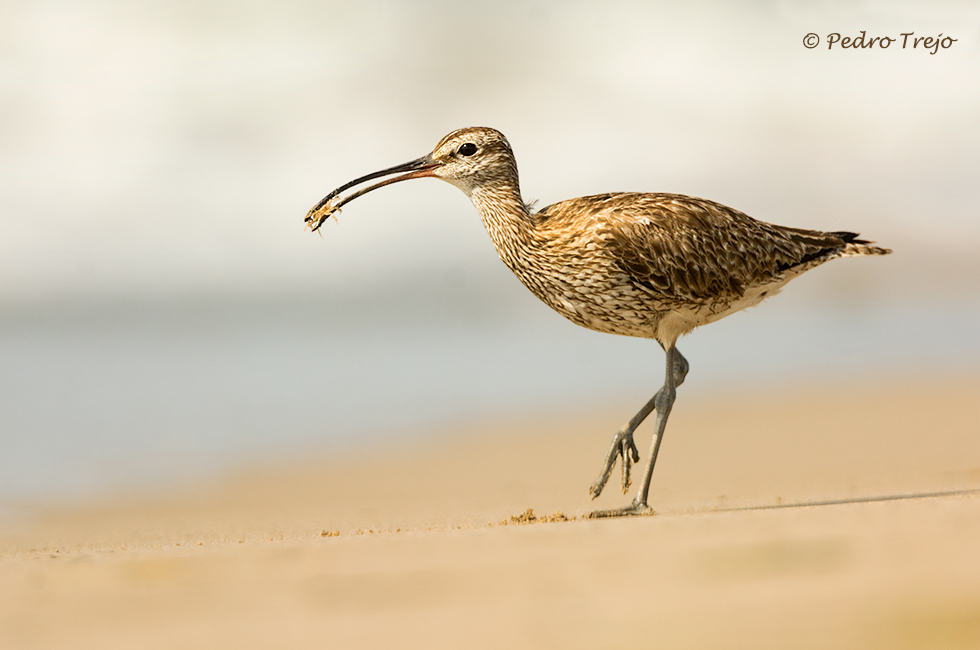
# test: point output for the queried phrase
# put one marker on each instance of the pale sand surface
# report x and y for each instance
(242, 562)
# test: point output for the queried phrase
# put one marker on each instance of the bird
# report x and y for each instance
(646, 265)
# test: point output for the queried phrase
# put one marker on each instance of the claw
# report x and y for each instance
(622, 447)
(596, 488)
(630, 455)
(627, 465)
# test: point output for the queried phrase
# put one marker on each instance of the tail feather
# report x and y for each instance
(857, 246)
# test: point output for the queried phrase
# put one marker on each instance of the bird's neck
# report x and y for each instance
(506, 218)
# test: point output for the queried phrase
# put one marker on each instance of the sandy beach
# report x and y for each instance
(812, 517)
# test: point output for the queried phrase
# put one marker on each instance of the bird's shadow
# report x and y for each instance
(838, 502)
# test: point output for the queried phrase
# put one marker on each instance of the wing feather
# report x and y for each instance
(691, 249)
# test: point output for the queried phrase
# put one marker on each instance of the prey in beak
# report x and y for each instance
(330, 205)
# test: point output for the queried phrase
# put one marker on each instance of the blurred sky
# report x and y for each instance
(175, 146)
(159, 298)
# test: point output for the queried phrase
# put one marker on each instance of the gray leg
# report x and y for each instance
(623, 445)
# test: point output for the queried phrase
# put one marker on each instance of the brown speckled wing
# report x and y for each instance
(691, 249)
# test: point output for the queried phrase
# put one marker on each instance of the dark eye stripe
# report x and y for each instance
(467, 149)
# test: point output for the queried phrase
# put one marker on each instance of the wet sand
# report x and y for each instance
(816, 517)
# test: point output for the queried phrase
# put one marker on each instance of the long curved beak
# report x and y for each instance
(418, 168)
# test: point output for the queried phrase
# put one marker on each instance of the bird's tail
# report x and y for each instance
(857, 246)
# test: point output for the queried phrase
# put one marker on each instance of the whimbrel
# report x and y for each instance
(654, 266)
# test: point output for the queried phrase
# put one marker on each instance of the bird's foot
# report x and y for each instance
(635, 509)
(622, 447)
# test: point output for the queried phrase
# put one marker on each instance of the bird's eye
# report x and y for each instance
(467, 149)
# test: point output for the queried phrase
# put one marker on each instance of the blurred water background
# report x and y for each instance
(163, 315)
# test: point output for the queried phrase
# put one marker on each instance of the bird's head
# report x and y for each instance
(470, 158)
